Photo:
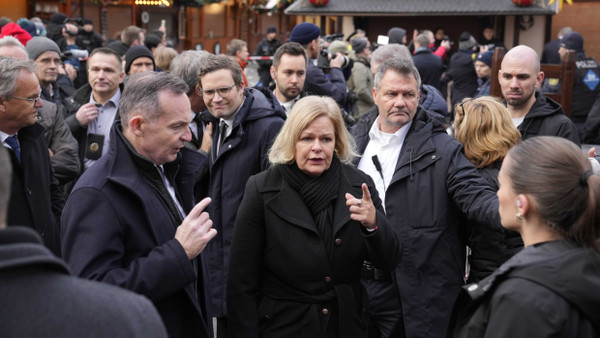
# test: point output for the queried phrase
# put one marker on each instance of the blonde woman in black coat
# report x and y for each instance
(303, 230)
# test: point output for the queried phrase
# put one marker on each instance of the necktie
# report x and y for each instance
(222, 134)
(14, 145)
(197, 139)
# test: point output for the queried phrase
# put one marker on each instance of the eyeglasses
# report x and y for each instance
(35, 101)
(462, 104)
(210, 93)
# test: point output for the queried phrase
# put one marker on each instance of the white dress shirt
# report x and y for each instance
(387, 147)
(102, 124)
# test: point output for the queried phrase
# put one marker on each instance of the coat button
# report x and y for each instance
(338, 241)
(267, 317)
(327, 279)
(325, 312)
(28, 191)
(433, 157)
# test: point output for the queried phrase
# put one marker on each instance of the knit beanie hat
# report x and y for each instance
(15, 30)
(39, 45)
(28, 26)
(486, 57)
(359, 44)
(137, 52)
(396, 34)
(271, 29)
(466, 41)
(304, 33)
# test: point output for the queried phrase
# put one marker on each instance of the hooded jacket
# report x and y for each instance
(546, 290)
(432, 183)
(546, 118)
(243, 154)
(432, 100)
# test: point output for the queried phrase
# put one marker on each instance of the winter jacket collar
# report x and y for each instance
(561, 266)
(22, 247)
(289, 206)
(543, 106)
(125, 159)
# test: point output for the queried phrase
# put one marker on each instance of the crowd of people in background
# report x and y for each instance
(355, 189)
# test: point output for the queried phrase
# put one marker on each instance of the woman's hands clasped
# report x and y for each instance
(362, 209)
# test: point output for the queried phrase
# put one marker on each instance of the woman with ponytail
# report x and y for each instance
(549, 195)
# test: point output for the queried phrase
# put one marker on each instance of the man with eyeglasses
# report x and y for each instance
(62, 147)
(249, 120)
(35, 200)
(46, 54)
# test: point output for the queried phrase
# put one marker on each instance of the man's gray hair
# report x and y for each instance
(141, 95)
(398, 66)
(212, 63)
(186, 65)
(5, 184)
(10, 69)
(392, 50)
(10, 41)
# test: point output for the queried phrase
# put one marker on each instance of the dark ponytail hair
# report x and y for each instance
(558, 176)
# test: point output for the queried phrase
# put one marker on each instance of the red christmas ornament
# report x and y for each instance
(523, 3)
(319, 3)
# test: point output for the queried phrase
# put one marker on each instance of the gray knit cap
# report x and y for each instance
(38, 45)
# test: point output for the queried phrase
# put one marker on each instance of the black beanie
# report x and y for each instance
(136, 52)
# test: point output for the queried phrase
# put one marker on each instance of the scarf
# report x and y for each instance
(318, 194)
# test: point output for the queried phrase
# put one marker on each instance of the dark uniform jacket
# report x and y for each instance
(119, 228)
(546, 118)
(46, 301)
(586, 87)
(432, 183)
(35, 200)
(543, 291)
(282, 282)
(266, 47)
(243, 154)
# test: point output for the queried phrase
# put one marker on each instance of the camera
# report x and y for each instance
(323, 60)
(447, 38)
(80, 54)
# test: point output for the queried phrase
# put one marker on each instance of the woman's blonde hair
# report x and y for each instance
(485, 128)
(303, 113)
(163, 57)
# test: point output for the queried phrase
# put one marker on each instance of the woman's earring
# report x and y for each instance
(519, 218)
